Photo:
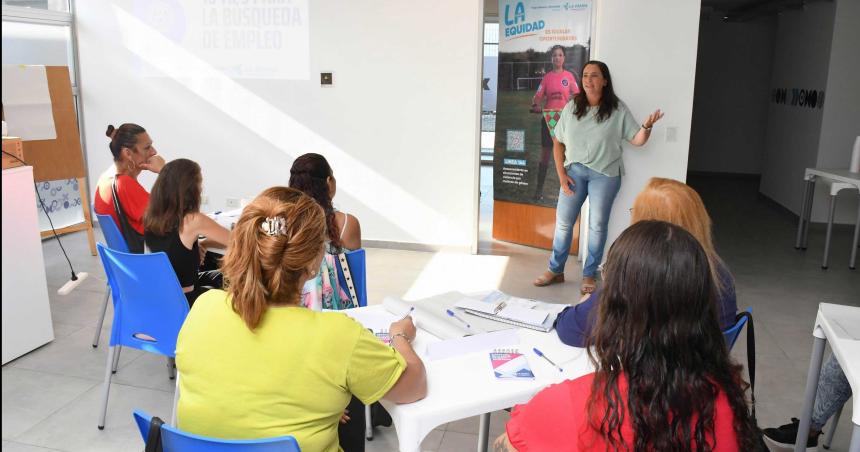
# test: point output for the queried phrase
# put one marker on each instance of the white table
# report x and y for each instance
(464, 386)
(840, 325)
(838, 180)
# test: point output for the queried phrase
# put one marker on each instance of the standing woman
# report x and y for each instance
(132, 152)
(173, 223)
(312, 175)
(554, 91)
(587, 153)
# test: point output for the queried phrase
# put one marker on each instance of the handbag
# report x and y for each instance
(344, 265)
(153, 437)
(133, 239)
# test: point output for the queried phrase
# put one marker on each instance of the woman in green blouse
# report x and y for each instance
(587, 153)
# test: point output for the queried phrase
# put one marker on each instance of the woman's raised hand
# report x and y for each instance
(653, 118)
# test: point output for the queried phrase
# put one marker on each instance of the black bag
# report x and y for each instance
(133, 239)
(153, 438)
(762, 447)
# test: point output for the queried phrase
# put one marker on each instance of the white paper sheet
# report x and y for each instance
(27, 102)
(430, 317)
(472, 344)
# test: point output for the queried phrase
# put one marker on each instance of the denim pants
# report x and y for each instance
(833, 391)
(600, 190)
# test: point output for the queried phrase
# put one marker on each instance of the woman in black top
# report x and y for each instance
(173, 223)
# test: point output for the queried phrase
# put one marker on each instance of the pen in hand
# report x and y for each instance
(452, 314)
(540, 353)
(411, 308)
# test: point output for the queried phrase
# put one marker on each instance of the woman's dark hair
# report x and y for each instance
(310, 173)
(176, 193)
(657, 325)
(557, 46)
(608, 101)
(123, 137)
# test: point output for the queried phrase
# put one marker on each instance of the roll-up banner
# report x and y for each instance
(543, 45)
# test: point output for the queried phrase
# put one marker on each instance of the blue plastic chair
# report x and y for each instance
(731, 334)
(357, 261)
(175, 440)
(115, 241)
(149, 307)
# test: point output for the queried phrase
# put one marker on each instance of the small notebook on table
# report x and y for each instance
(535, 319)
(510, 363)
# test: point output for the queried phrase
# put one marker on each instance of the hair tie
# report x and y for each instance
(273, 226)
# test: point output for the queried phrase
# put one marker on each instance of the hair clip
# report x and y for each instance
(274, 226)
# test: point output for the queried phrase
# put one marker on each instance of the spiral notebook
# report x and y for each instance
(510, 363)
(535, 319)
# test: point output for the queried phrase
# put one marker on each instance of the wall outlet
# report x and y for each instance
(232, 203)
(204, 200)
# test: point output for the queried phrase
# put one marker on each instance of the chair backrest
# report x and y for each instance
(149, 306)
(175, 440)
(357, 261)
(734, 331)
(113, 236)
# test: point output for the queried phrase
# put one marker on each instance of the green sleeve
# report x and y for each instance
(629, 127)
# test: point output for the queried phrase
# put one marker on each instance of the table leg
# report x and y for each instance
(802, 214)
(854, 446)
(832, 210)
(484, 432)
(852, 265)
(809, 396)
(808, 215)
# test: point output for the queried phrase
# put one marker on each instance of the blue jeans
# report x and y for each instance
(600, 189)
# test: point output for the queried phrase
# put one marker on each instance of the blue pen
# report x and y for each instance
(452, 314)
(217, 213)
(540, 353)
(411, 308)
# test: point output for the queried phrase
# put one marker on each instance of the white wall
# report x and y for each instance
(733, 75)
(801, 60)
(399, 126)
(650, 48)
(840, 124)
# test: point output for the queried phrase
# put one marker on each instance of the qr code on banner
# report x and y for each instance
(516, 140)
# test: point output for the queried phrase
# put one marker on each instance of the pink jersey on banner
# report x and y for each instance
(557, 88)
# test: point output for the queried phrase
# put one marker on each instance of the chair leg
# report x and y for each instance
(828, 438)
(106, 389)
(101, 319)
(368, 425)
(115, 362)
(171, 368)
(175, 402)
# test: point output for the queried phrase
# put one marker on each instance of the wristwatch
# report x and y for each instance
(646, 128)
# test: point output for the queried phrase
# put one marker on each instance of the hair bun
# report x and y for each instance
(111, 131)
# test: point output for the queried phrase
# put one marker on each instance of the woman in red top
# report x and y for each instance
(663, 379)
(132, 153)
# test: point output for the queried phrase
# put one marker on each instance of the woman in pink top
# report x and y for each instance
(556, 89)
(663, 380)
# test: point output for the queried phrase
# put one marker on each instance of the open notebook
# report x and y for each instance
(535, 319)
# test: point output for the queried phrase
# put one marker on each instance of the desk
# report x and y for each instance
(840, 325)
(838, 179)
(464, 386)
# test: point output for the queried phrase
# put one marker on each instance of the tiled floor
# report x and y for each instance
(51, 396)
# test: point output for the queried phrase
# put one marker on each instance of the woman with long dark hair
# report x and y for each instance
(663, 378)
(587, 153)
(132, 152)
(312, 175)
(555, 90)
(173, 223)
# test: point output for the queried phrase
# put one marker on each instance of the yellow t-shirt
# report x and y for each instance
(293, 375)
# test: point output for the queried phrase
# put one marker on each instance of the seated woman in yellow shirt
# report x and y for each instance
(253, 363)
